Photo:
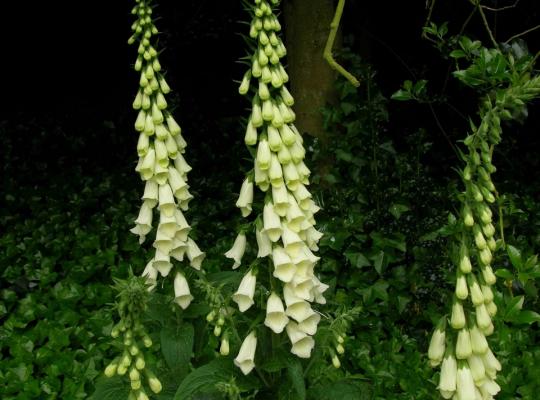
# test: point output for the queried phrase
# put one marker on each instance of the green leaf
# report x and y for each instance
(357, 259)
(295, 373)
(526, 317)
(515, 256)
(341, 390)
(513, 307)
(504, 273)
(205, 378)
(177, 347)
(401, 95)
(397, 209)
(457, 54)
(110, 389)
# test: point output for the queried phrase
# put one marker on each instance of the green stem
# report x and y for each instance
(327, 54)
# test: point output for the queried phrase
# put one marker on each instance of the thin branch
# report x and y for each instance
(501, 8)
(327, 54)
(486, 24)
(428, 19)
(522, 34)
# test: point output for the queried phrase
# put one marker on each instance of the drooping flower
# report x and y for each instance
(245, 360)
(244, 295)
(237, 250)
(182, 294)
(276, 319)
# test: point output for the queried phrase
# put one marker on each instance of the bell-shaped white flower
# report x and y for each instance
(318, 289)
(303, 197)
(437, 345)
(276, 319)
(178, 184)
(167, 225)
(163, 242)
(483, 319)
(477, 368)
(295, 216)
(167, 204)
(150, 273)
(309, 325)
(244, 295)
(264, 243)
(179, 249)
(237, 250)
(182, 294)
(457, 320)
(297, 308)
(245, 199)
(195, 255)
(465, 382)
(161, 174)
(147, 166)
(291, 241)
(447, 381)
(275, 173)
(143, 222)
(271, 223)
(479, 342)
(491, 364)
(182, 227)
(461, 287)
(280, 199)
(162, 262)
(489, 388)
(302, 344)
(284, 269)
(181, 165)
(150, 195)
(245, 360)
(261, 178)
(302, 286)
(292, 178)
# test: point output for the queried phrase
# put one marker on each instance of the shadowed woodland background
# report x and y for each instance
(384, 175)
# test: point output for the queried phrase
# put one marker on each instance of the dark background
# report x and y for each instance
(67, 74)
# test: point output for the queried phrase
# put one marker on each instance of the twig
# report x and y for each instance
(327, 54)
(522, 33)
(501, 8)
(486, 24)
(428, 19)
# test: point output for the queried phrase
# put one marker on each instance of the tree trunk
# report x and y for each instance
(307, 25)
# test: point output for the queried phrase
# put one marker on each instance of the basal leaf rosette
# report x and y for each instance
(162, 167)
(284, 229)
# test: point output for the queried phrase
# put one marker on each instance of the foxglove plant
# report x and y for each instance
(285, 232)
(469, 368)
(164, 170)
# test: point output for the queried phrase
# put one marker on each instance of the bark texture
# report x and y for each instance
(307, 24)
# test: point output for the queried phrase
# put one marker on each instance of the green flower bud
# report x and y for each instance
(463, 344)
(256, 70)
(134, 375)
(267, 110)
(135, 385)
(160, 101)
(137, 103)
(457, 320)
(153, 382)
(340, 349)
(145, 102)
(156, 65)
(147, 341)
(217, 330)
(262, 58)
(485, 256)
(165, 89)
(224, 348)
(468, 219)
(211, 315)
(264, 93)
(335, 361)
(133, 350)
(266, 74)
(461, 287)
(140, 121)
(286, 96)
(244, 86)
(110, 370)
(139, 362)
(250, 137)
(479, 238)
(263, 38)
(488, 275)
(476, 292)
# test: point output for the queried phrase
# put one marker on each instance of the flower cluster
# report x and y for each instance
(285, 232)
(133, 296)
(161, 165)
(469, 368)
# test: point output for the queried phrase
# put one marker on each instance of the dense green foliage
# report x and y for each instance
(388, 212)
